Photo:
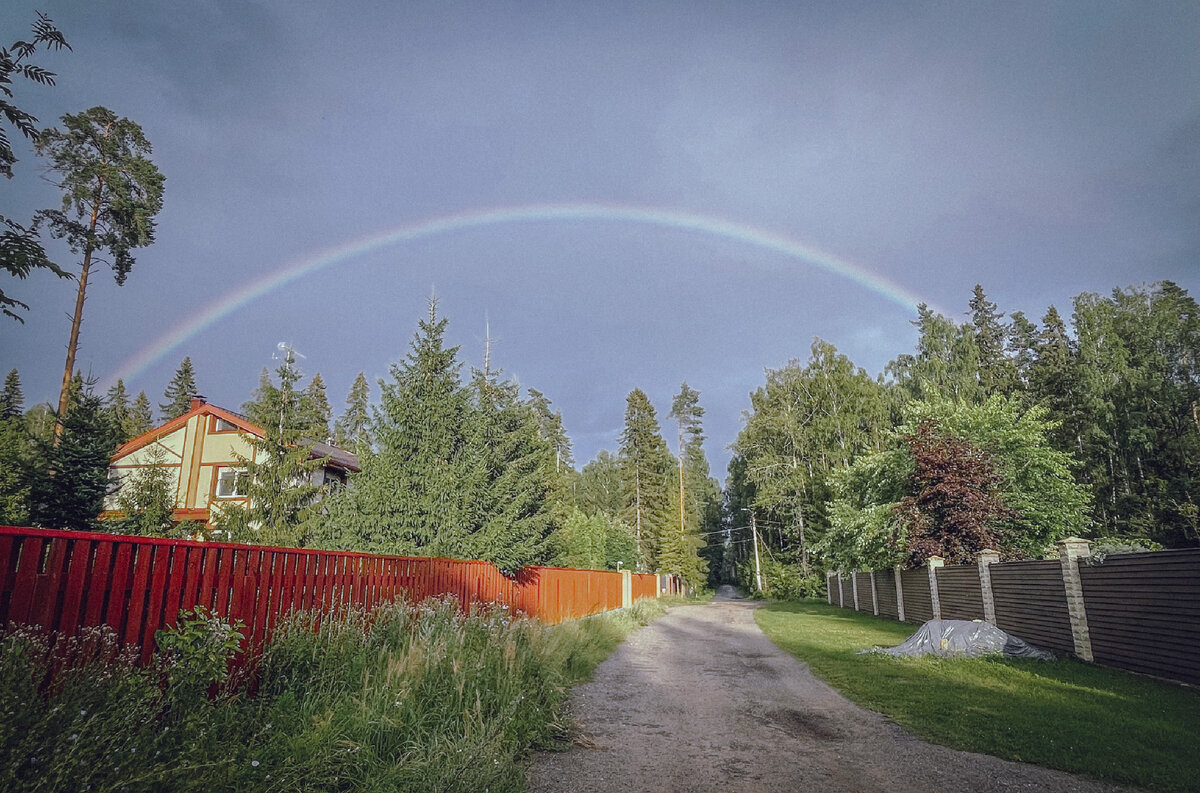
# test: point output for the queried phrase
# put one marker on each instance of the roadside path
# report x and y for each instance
(701, 700)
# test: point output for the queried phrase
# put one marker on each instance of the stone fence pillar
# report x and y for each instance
(986, 559)
(1070, 551)
(934, 562)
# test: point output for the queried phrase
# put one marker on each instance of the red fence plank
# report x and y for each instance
(137, 585)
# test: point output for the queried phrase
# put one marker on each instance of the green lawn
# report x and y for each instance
(1064, 714)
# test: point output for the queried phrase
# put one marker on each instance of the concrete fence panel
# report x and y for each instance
(1031, 603)
(1143, 612)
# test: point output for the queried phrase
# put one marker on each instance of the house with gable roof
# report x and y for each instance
(204, 448)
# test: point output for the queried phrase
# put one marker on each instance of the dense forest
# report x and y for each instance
(997, 431)
(994, 432)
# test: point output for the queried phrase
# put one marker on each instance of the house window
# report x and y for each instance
(222, 425)
(232, 483)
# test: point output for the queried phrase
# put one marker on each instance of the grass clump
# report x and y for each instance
(1063, 714)
(409, 697)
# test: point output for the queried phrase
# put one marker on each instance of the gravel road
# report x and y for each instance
(701, 700)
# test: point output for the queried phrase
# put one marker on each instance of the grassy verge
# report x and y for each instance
(1064, 714)
(411, 697)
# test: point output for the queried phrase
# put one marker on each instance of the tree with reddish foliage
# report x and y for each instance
(956, 510)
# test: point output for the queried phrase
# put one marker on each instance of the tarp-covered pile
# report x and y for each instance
(963, 639)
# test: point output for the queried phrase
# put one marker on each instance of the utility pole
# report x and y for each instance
(757, 566)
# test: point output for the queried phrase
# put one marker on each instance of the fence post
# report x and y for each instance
(899, 593)
(841, 591)
(829, 587)
(1069, 551)
(626, 588)
(934, 562)
(874, 596)
(854, 587)
(986, 558)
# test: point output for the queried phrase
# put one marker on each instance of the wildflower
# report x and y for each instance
(254, 763)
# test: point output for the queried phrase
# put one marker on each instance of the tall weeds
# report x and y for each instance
(409, 697)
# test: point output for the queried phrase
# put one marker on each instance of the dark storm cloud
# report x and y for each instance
(1041, 149)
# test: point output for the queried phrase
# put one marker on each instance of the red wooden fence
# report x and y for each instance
(66, 580)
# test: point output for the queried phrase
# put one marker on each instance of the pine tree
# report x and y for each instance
(352, 430)
(112, 192)
(179, 391)
(12, 399)
(698, 493)
(279, 493)
(69, 493)
(647, 480)
(118, 411)
(141, 419)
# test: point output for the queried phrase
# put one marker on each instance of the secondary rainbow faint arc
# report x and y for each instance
(531, 213)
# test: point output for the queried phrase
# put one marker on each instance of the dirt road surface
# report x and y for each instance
(701, 700)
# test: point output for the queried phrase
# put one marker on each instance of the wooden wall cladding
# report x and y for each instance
(1143, 612)
(1031, 604)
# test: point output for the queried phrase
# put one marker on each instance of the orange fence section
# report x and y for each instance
(66, 580)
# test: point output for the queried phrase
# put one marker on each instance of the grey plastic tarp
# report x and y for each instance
(963, 639)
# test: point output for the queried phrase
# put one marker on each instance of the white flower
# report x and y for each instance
(254, 763)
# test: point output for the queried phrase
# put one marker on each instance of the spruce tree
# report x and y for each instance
(279, 493)
(996, 372)
(146, 499)
(647, 480)
(141, 419)
(14, 455)
(179, 391)
(12, 399)
(412, 495)
(599, 486)
(70, 492)
(318, 411)
(352, 430)
(511, 472)
(118, 411)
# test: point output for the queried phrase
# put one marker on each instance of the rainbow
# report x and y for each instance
(223, 306)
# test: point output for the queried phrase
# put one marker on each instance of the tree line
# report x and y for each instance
(996, 431)
(451, 465)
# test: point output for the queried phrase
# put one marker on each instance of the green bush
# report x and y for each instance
(780, 581)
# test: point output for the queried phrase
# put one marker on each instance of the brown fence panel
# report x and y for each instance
(1143, 612)
(885, 592)
(863, 582)
(918, 605)
(1032, 604)
(960, 593)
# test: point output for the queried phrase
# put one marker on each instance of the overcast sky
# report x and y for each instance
(1040, 149)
